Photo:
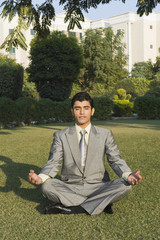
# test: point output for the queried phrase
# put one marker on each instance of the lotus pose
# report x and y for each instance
(85, 186)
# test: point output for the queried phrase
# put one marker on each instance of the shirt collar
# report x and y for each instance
(88, 128)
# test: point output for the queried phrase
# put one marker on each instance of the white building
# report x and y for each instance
(141, 35)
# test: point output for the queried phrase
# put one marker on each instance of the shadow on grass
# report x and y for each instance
(130, 123)
(14, 173)
(143, 124)
(4, 133)
(55, 126)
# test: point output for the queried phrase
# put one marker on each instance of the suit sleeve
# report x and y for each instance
(53, 164)
(114, 158)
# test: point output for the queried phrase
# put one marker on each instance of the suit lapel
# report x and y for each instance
(74, 145)
(93, 141)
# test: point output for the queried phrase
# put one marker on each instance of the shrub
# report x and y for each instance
(123, 108)
(122, 95)
(8, 111)
(103, 108)
(122, 105)
(147, 107)
(11, 78)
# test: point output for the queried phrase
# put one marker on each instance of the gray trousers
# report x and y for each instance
(93, 197)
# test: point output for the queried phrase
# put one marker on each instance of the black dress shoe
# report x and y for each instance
(109, 209)
(58, 208)
(78, 209)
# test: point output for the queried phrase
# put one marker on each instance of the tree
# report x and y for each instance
(135, 86)
(42, 15)
(156, 65)
(55, 65)
(11, 78)
(143, 70)
(29, 88)
(104, 58)
(155, 86)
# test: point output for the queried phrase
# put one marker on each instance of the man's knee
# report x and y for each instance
(44, 188)
(123, 190)
(127, 188)
(49, 192)
(47, 187)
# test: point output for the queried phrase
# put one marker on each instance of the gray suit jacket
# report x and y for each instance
(65, 150)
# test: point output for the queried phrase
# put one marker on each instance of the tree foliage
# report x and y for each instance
(155, 86)
(134, 86)
(145, 79)
(55, 65)
(104, 58)
(146, 6)
(11, 78)
(143, 70)
(16, 37)
(29, 88)
(41, 15)
(156, 65)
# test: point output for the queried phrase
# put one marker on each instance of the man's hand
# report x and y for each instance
(34, 178)
(135, 178)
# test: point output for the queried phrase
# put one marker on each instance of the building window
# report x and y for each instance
(151, 46)
(150, 27)
(32, 32)
(81, 35)
(72, 34)
(12, 51)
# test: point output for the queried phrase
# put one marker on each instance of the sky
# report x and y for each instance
(115, 7)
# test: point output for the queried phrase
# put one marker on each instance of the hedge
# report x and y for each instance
(28, 110)
(46, 110)
(103, 108)
(147, 107)
(8, 111)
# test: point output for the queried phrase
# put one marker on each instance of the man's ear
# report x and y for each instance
(93, 110)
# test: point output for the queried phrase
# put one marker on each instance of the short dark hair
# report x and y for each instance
(82, 96)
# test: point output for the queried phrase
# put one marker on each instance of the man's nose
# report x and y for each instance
(82, 111)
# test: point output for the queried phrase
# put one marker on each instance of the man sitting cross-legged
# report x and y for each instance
(85, 185)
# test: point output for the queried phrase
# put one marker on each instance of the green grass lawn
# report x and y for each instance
(136, 216)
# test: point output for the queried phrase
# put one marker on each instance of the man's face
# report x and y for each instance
(82, 113)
